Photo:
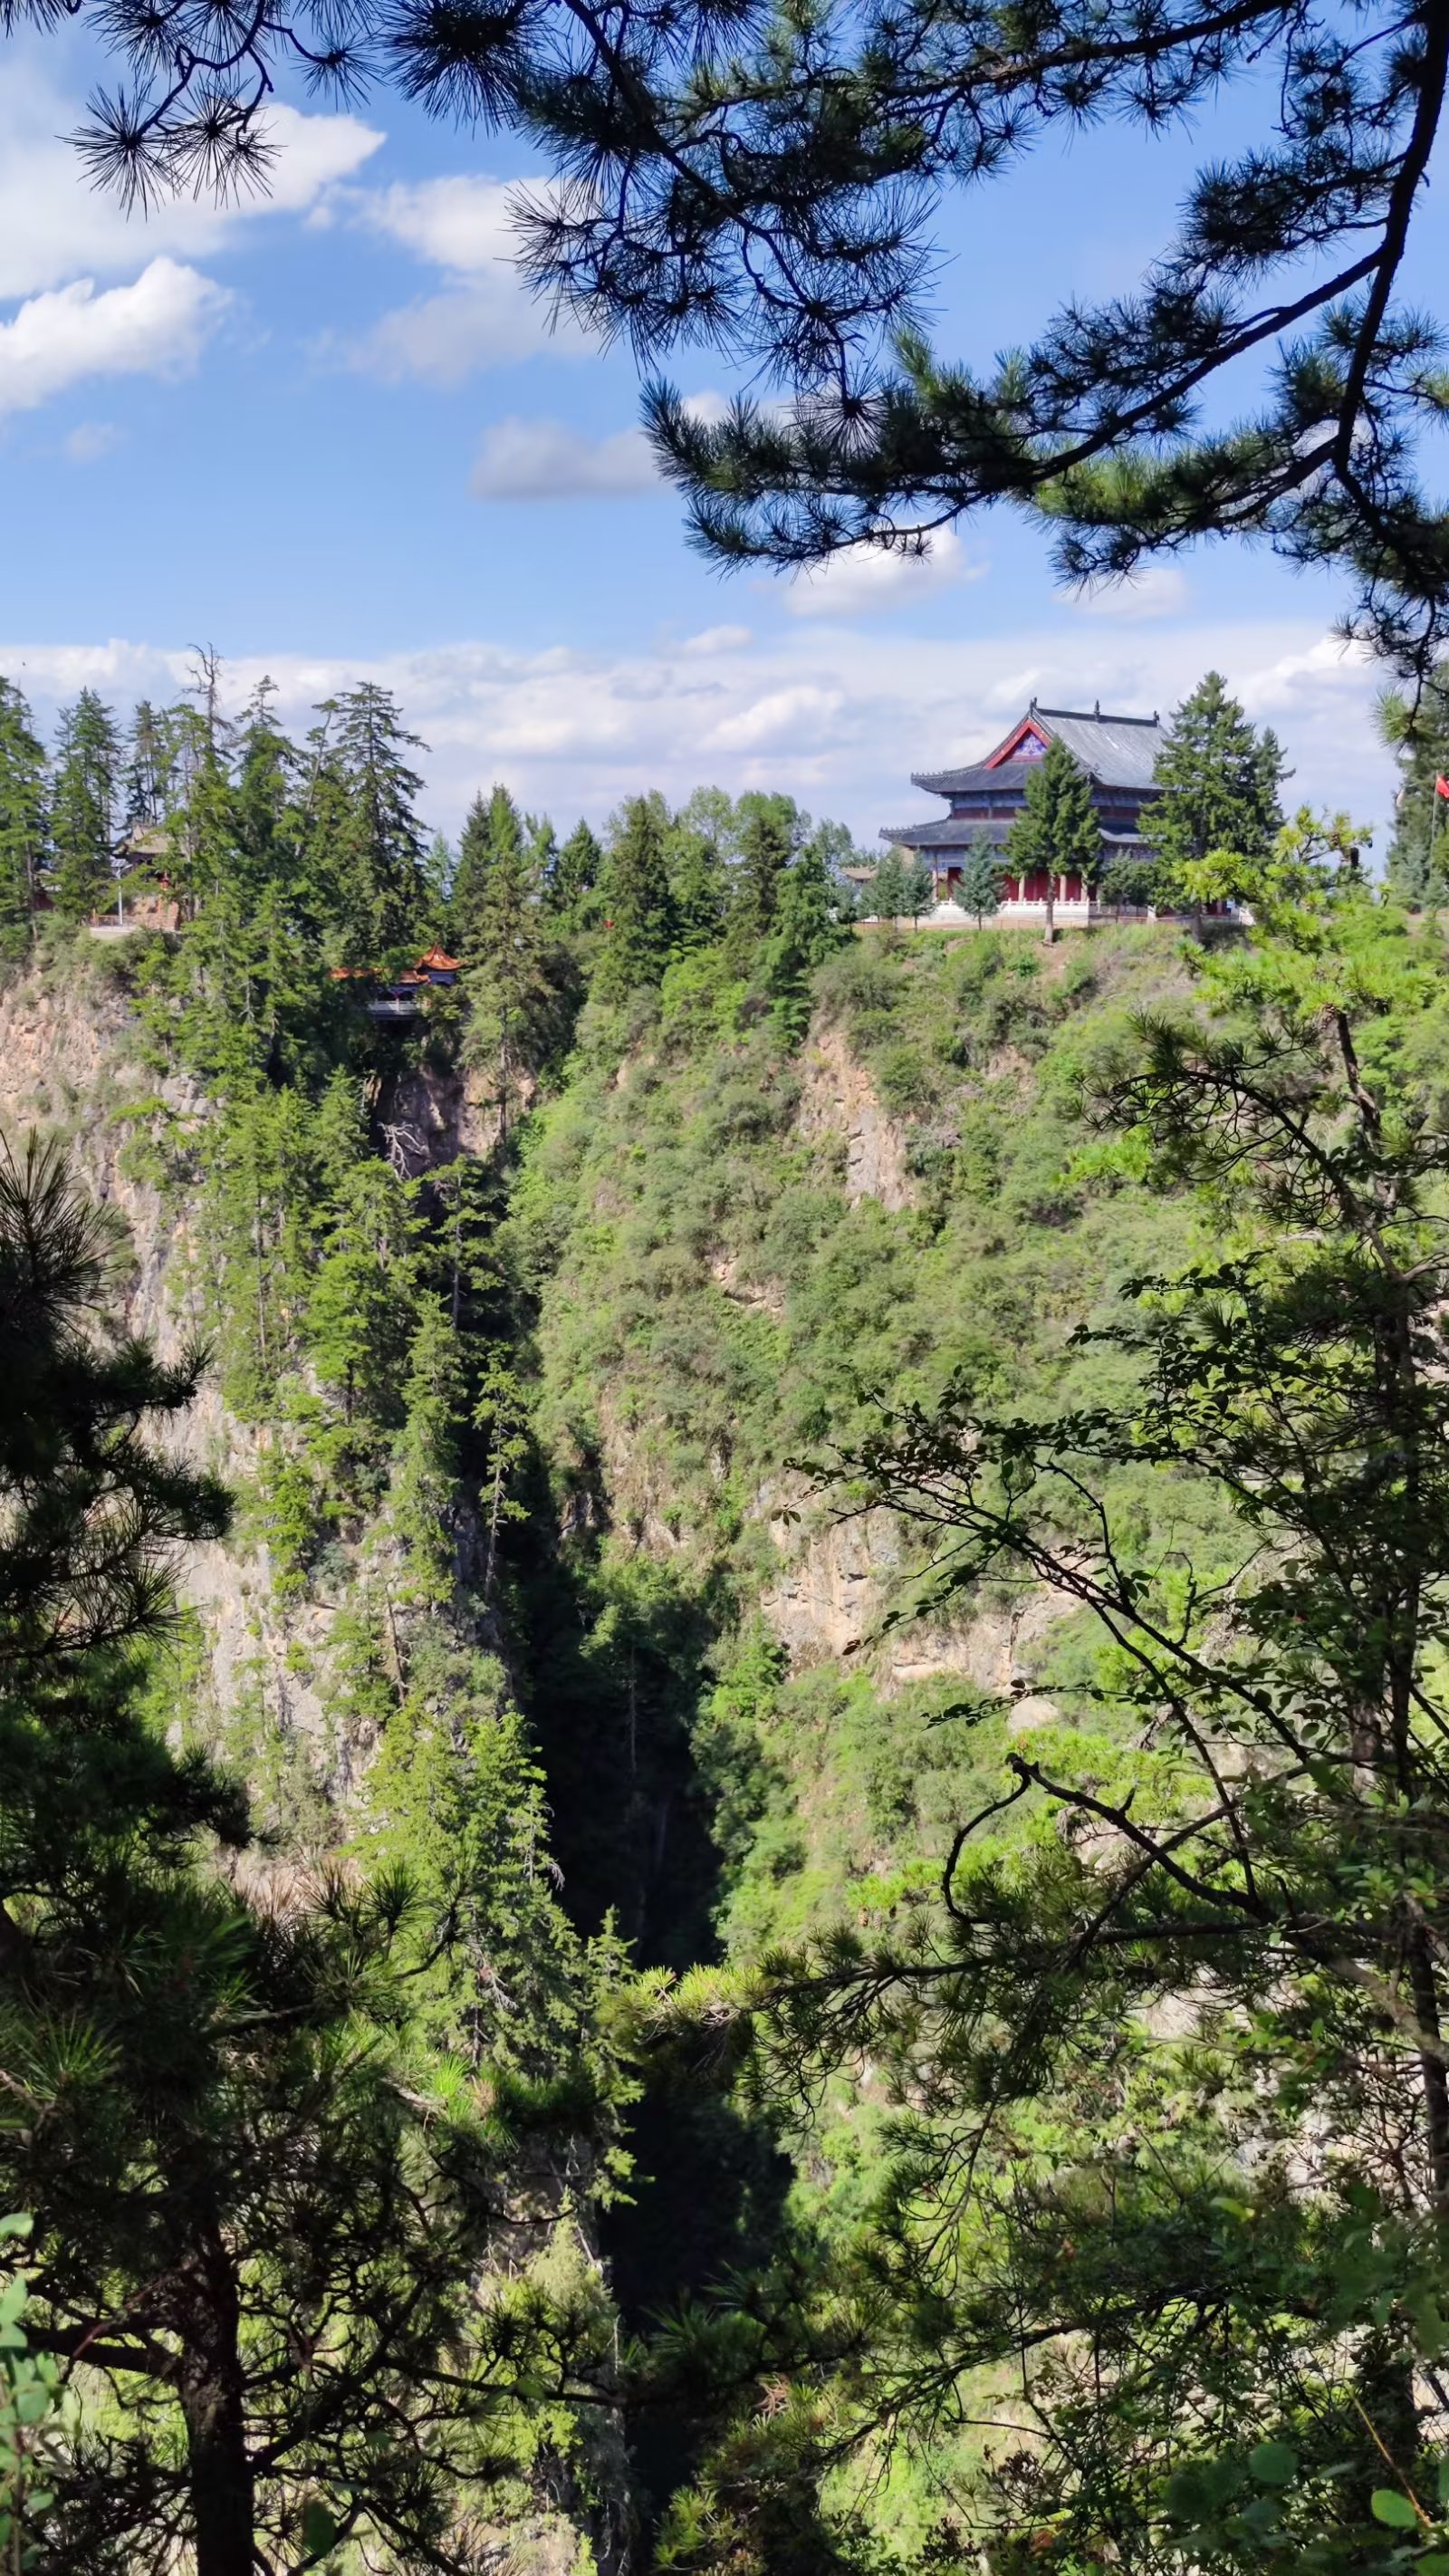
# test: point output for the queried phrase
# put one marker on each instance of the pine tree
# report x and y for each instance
(517, 979)
(979, 891)
(151, 770)
(808, 929)
(698, 881)
(377, 845)
(888, 888)
(83, 802)
(492, 836)
(1218, 779)
(638, 905)
(22, 821)
(768, 829)
(1057, 833)
(572, 890)
(1418, 859)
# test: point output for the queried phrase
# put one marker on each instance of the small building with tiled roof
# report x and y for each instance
(984, 798)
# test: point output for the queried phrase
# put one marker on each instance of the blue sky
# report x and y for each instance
(330, 435)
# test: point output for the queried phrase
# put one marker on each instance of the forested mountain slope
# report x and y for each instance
(642, 1693)
(774, 1906)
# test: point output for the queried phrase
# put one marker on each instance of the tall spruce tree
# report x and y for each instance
(1056, 834)
(83, 807)
(572, 889)
(22, 821)
(150, 776)
(979, 891)
(1218, 779)
(808, 928)
(1418, 735)
(517, 974)
(768, 834)
(493, 836)
(639, 920)
(377, 847)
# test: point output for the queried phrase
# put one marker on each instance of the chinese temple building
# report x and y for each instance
(1118, 754)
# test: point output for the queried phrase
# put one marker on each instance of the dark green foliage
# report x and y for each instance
(1057, 831)
(375, 845)
(22, 822)
(492, 838)
(979, 890)
(768, 834)
(639, 916)
(572, 886)
(1418, 867)
(1168, 2140)
(83, 807)
(807, 929)
(1219, 779)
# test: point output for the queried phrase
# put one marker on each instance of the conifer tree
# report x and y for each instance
(639, 918)
(1418, 735)
(516, 982)
(151, 769)
(808, 928)
(1057, 832)
(572, 887)
(979, 891)
(22, 821)
(492, 836)
(83, 806)
(377, 846)
(768, 834)
(1219, 780)
(698, 878)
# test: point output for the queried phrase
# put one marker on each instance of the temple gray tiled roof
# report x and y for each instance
(1118, 751)
(962, 831)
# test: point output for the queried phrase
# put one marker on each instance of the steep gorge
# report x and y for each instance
(720, 1246)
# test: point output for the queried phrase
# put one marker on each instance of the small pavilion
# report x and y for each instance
(1118, 754)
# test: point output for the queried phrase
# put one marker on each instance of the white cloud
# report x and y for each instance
(54, 225)
(864, 580)
(154, 328)
(90, 440)
(1159, 591)
(719, 639)
(542, 460)
(822, 713)
(485, 315)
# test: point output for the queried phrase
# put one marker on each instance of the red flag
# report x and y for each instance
(1441, 786)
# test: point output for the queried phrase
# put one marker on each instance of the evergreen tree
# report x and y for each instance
(1219, 780)
(808, 929)
(518, 981)
(492, 837)
(151, 770)
(979, 891)
(572, 888)
(698, 880)
(768, 834)
(22, 821)
(1057, 833)
(889, 888)
(376, 845)
(1418, 860)
(83, 802)
(638, 905)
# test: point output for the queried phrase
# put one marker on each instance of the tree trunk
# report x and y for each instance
(1051, 905)
(211, 2388)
